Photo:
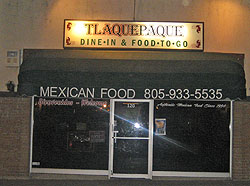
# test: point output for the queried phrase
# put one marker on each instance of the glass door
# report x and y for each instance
(131, 133)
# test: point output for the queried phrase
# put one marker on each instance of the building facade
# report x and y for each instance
(39, 24)
(130, 105)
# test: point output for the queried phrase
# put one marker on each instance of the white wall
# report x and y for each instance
(39, 23)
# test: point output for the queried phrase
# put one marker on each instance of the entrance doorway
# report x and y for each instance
(131, 138)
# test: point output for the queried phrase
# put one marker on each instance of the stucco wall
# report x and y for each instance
(39, 24)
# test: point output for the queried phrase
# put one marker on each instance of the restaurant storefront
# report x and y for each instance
(131, 138)
(132, 113)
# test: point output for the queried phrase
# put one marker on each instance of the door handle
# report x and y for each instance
(115, 135)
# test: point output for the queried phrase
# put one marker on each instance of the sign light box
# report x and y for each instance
(133, 35)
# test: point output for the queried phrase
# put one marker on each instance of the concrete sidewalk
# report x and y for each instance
(121, 182)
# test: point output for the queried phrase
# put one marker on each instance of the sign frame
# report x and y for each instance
(201, 44)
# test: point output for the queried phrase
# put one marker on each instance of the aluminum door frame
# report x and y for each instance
(150, 140)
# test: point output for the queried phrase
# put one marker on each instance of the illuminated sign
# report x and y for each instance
(133, 35)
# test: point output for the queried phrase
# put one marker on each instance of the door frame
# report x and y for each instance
(111, 140)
